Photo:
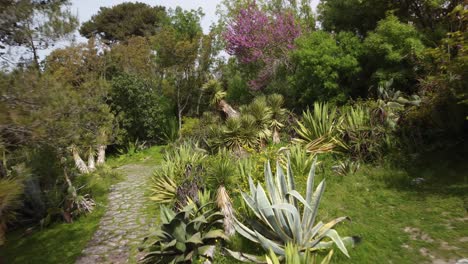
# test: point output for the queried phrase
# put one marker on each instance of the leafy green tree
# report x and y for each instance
(361, 16)
(135, 57)
(184, 57)
(141, 109)
(34, 24)
(392, 52)
(326, 67)
(123, 21)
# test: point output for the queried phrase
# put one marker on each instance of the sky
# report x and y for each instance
(85, 9)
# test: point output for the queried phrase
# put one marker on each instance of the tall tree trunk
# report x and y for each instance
(67, 212)
(101, 158)
(227, 109)
(91, 163)
(199, 102)
(79, 163)
(276, 136)
(224, 203)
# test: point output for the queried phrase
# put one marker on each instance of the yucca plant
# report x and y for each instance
(163, 189)
(239, 133)
(279, 220)
(262, 114)
(361, 139)
(11, 190)
(220, 173)
(278, 115)
(192, 233)
(299, 159)
(346, 167)
(294, 256)
(318, 130)
(218, 97)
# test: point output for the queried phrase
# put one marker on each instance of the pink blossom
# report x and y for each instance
(255, 37)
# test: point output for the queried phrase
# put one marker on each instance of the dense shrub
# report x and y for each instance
(141, 109)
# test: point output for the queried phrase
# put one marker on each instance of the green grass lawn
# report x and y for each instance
(398, 221)
(382, 204)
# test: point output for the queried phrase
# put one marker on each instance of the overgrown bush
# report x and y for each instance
(142, 111)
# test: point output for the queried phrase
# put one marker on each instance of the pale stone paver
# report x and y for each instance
(124, 225)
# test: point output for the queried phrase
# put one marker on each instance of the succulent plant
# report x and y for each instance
(294, 256)
(192, 233)
(279, 220)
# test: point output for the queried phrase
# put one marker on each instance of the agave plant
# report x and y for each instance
(279, 220)
(294, 256)
(192, 233)
(318, 129)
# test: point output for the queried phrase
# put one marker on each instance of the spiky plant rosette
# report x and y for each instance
(279, 219)
(187, 235)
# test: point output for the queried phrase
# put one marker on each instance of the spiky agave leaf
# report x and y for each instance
(279, 219)
(191, 233)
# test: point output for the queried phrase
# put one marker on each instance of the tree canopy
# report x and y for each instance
(123, 21)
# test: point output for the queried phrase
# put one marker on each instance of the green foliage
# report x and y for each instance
(141, 110)
(123, 21)
(298, 158)
(393, 49)
(35, 25)
(163, 188)
(190, 234)
(352, 15)
(237, 134)
(333, 62)
(11, 189)
(318, 130)
(279, 220)
(347, 167)
(98, 182)
(221, 170)
(293, 255)
(189, 127)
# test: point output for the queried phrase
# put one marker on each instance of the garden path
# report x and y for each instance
(124, 223)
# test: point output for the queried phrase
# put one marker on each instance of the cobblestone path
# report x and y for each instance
(124, 224)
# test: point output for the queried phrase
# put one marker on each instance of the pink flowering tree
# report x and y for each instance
(257, 38)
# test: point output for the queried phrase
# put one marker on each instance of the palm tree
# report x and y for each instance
(91, 161)
(239, 133)
(218, 98)
(221, 172)
(278, 115)
(262, 115)
(79, 163)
